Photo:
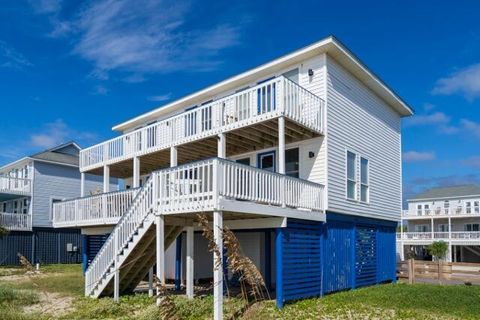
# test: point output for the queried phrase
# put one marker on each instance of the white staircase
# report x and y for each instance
(130, 247)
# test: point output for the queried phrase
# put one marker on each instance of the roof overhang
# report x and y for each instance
(330, 45)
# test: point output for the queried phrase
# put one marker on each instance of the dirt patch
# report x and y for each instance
(25, 276)
(51, 304)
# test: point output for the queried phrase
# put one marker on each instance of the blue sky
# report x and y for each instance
(72, 70)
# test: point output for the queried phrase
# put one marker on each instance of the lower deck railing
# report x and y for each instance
(105, 208)
(444, 235)
(195, 187)
(16, 221)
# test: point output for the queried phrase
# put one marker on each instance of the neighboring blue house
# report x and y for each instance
(28, 189)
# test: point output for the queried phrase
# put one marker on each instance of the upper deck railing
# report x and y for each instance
(15, 185)
(437, 235)
(267, 100)
(453, 211)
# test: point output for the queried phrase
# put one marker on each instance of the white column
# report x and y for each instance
(106, 178)
(433, 229)
(449, 252)
(160, 241)
(82, 184)
(136, 172)
(222, 146)
(218, 272)
(173, 157)
(190, 270)
(150, 282)
(449, 228)
(281, 145)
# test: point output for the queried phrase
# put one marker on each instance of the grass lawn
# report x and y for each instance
(62, 286)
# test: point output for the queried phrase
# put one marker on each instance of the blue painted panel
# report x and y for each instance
(338, 258)
(42, 245)
(365, 255)
(386, 258)
(301, 259)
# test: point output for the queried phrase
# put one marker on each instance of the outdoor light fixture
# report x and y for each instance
(310, 72)
(311, 154)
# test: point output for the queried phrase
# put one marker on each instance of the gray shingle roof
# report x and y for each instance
(449, 192)
(56, 154)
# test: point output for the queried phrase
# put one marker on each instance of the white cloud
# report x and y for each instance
(160, 98)
(101, 90)
(428, 119)
(416, 156)
(46, 6)
(148, 37)
(57, 132)
(471, 127)
(465, 82)
(10, 58)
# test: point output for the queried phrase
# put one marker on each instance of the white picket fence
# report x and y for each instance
(264, 101)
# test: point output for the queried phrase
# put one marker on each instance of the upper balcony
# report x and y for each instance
(11, 187)
(248, 118)
(213, 184)
(460, 211)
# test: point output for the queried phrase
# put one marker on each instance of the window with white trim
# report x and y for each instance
(476, 206)
(468, 207)
(364, 180)
(471, 227)
(351, 176)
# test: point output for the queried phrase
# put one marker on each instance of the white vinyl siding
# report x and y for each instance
(357, 119)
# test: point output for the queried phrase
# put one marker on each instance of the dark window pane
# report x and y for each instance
(292, 163)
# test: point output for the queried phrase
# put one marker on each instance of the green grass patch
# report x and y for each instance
(13, 300)
(62, 279)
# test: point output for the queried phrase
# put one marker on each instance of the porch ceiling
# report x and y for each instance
(246, 139)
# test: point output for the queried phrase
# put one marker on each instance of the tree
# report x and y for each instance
(3, 231)
(438, 249)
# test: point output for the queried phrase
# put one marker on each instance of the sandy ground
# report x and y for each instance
(51, 304)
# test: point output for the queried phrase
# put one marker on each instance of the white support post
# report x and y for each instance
(190, 266)
(218, 271)
(106, 179)
(173, 157)
(136, 172)
(433, 229)
(449, 228)
(160, 219)
(281, 153)
(449, 251)
(222, 146)
(150, 282)
(82, 184)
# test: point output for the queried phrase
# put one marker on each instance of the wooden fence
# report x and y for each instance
(423, 270)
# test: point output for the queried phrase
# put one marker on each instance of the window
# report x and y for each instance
(442, 227)
(351, 175)
(476, 206)
(364, 183)
(471, 227)
(292, 163)
(26, 203)
(4, 207)
(427, 209)
(15, 206)
(468, 207)
(292, 75)
(419, 210)
(421, 228)
(446, 206)
(266, 161)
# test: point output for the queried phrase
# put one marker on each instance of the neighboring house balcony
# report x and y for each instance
(213, 184)
(456, 237)
(458, 211)
(16, 221)
(11, 187)
(248, 119)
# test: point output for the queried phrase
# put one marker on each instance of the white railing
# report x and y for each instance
(264, 101)
(16, 221)
(105, 208)
(15, 185)
(129, 223)
(457, 211)
(444, 235)
(193, 187)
